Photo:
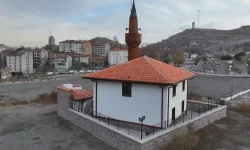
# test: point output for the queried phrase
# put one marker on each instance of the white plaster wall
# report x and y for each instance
(177, 100)
(61, 47)
(145, 101)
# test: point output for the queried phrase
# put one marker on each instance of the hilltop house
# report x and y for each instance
(140, 87)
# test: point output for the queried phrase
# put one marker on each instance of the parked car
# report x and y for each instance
(72, 72)
(82, 71)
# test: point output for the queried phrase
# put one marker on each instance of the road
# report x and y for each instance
(201, 84)
(217, 86)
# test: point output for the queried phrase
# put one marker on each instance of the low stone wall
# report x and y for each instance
(161, 140)
(123, 141)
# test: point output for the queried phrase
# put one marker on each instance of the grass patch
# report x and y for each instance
(47, 99)
(186, 142)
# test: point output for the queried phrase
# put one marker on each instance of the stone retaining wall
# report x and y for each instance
(123, 141)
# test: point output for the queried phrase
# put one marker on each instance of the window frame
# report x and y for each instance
(127, 91)
(174, 90)
(183, 86)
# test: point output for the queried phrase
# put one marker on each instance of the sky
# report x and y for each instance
(30, 22)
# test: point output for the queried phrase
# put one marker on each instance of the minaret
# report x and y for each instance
(133, 38)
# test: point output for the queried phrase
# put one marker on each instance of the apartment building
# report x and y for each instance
(3, 52)
(101, 49)
(117, 56)
(20, 61)
(62, 62)
(76, 46)
(40, 57)
(51, 40)
(96, 61)
(81, 58)
(87, 48)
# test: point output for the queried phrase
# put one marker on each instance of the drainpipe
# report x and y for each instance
(168, 108)
(162, 89)
(96, 97)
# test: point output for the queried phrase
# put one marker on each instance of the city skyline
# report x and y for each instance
(29, 23)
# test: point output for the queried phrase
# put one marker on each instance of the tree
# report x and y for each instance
(226, 57)
(106, 61)
(178, 57)
(239, 55)
(167, 59)
(76, 64)
(115, 39)
(197, 60)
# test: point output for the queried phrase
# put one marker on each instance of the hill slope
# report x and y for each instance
(209, 40)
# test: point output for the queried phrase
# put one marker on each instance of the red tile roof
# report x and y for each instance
(80, 55)
(96, 58)
(57, 55)
(77, 94)
(142, 70)
(81, 94)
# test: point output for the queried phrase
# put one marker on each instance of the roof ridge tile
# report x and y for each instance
(153, 65)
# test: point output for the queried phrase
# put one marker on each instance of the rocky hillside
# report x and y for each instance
(208, 40)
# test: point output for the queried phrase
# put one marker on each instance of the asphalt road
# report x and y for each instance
(217, 86)
(201, 84)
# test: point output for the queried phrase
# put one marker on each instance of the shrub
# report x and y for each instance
(186, 142)
(241, 107)
(47, 99)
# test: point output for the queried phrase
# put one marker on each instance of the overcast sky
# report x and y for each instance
(29, 22)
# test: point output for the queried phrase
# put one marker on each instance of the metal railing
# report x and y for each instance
(142, 131)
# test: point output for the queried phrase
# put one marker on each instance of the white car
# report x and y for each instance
(82, 71)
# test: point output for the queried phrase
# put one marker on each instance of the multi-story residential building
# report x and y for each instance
(62, 62)
(3, 53)
(40, 57)
(20, 61)
(51, 40)
(87, 48)
(96, 61)
(76, 46)
(81, 58)
(117, 56)
(101, 48)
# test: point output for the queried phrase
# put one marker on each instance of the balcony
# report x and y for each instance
(133, 38)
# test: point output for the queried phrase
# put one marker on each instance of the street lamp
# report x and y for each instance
(141, 119)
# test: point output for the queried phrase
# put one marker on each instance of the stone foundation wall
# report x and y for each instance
(123, 141)
(162, 140)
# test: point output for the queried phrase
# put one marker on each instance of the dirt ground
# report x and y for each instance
(26, 127)
(230, 133)
(32, 127)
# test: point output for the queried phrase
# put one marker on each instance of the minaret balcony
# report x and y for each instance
(133, 38)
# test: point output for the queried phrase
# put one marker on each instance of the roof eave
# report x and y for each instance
(117, 80)
(153, 83)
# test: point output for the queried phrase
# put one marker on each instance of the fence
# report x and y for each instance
(142, 131)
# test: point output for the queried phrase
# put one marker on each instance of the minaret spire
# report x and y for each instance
(133, 38)
(133, 10)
